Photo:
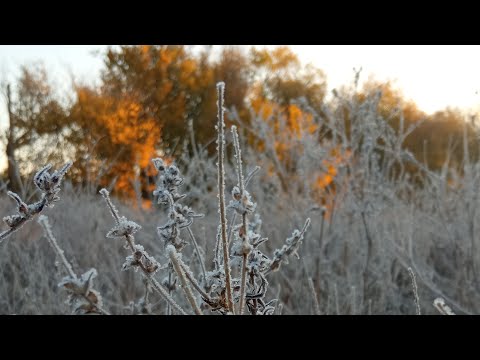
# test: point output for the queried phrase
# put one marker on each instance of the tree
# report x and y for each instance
(166, 80)
(34, 114)
(116, 140)
(283, 79)
(162, 88)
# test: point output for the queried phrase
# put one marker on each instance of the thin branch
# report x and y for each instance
(197, 250)
(246, 247)
(172, 253)
(221, 192)
(415, 290)
(43, 220)
(314, 295)
(130, 240)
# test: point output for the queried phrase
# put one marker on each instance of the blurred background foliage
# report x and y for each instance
(153, 97)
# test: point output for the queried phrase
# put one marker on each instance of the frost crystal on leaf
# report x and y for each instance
(179, 216)
(140, 259)
(82, 297)
(48, 183)
(123, 228)
(241, 204)
(50, 187)
(291, 247)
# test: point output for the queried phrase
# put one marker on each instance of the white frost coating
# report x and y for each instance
(291, 247)
(49, 184)
(113, 210)
(43, 220)
(50, 187)
(415, 290)
(242, 204)
(123, 228)
(139, 259)
(443, 308)
(221, 191)
(179, 216)
(238, 156)
(174, 258)
(82, 297)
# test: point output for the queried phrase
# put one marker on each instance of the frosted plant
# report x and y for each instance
(139, 258)
(81, 296)
(245, 254)
(415, 290)
(175, 259)
(314, 296)
(291, 247)
(221, 193)
(258, 265)
(443, 308)
(217, 288)
(243, 204)
(123, 228)
(143, 306)
(179, 217)
(49, 185)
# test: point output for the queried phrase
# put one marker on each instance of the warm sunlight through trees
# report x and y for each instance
(149, 94)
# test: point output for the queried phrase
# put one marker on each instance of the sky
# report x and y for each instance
(434, 76)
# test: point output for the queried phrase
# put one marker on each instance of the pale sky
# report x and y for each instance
(434, 76)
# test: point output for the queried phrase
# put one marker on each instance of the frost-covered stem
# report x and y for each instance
(7, 233)
(443, 308)
(287, 250)
(197, 250)
(230, 231)
(156, 285)
(113, 209)
(238, 155)
(279, 309)
(40, 205)
(245, 243)
(251, 175)
(146, 299)
(102, 310)
(193, 281)
(243, 284)
(172, 253)
(221, 192)
(131, 242)
(314, 295)
(169, 308)
(234, 215)
(415, 290)
(171, 203)
(218, 239)
(43, 220)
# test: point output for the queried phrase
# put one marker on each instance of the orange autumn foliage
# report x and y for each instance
(124, 133)
(324, 187)
(289, 126)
